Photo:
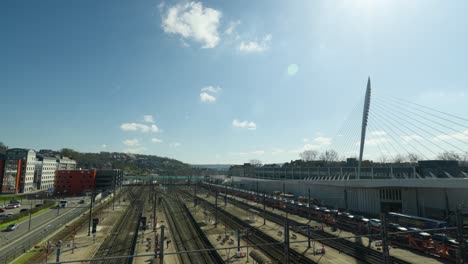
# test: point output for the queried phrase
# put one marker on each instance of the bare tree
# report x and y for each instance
(399, 158)
(383, 159)
(412, 157)
(255, 162)
(449, 155)
(308, 155)
(3, 148)
(329, 156)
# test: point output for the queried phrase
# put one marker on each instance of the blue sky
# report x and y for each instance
(220, 81)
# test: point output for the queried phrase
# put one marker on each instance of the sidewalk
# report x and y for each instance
(145, 244)
(84, 246)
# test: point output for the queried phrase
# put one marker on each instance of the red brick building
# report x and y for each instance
(74, 182)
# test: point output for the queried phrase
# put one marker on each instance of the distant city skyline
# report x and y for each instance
(225, 82)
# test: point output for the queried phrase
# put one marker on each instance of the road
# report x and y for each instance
(16, 242)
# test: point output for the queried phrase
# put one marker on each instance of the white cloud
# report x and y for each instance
(305, 139)
(244, 124)
(139, 127)
(134, 150)
(154, 128)
(207, 98)
(208, 94)
(277, 151)
(148, 118)
(411, 138)
(211, 89)
(256, 46)
(323, 141)
(156, 140)
(378, 133)
(310, 147)
(231, 28)
(175, 144)
(256, 152)
(193, 21)
(460, 136)
(103, 146)
(131, 142)
(374, 141)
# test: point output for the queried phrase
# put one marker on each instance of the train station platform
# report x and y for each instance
(221, 237)
(401, 253)
(298, 242)
(84, 246)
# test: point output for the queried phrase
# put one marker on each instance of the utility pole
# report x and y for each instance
(256, 193)
(383, 233)
(264, 209)
(238, 240)
(90, 213)
(309, 207)
(461, 239)
(216, 208)
(161, 247)
(154, 212)
(308, 236)
(286, 242)
(195, 195)
(30, 214)
(113, 193)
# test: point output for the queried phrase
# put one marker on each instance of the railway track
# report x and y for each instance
(187, 236)
(122, 238)
(343, 245)
(271, 247)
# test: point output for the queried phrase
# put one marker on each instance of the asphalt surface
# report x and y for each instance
(16, 242)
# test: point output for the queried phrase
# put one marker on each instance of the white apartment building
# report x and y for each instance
(19, 171)
(45, 172)
(66, 164)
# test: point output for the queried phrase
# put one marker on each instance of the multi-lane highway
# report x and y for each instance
(13, 243)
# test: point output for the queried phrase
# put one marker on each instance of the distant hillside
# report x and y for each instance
(131, 164)
(219, 167)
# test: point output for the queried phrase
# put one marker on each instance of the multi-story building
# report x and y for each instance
(44, 174)
(74, 182)
(18, 171)
(66, 163)
(108, 180)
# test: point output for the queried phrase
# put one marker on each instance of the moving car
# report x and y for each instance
(11, 227)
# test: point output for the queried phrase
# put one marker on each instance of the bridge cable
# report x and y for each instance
(431, 126)
(403, 124)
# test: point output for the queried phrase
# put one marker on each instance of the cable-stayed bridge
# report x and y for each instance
(390, 154)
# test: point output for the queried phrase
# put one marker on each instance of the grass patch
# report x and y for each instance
(4, 225)
(9, 197)
(25, 257)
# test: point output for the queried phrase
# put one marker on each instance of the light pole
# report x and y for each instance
(90, 213)
(30, 213)
(58, 203)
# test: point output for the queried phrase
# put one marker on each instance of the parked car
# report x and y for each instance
(2, 210)
(11, 227)
(38, 205)
(82, 201)
(23, 210)
(8, 215)
(375, 222)
(10, 206)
